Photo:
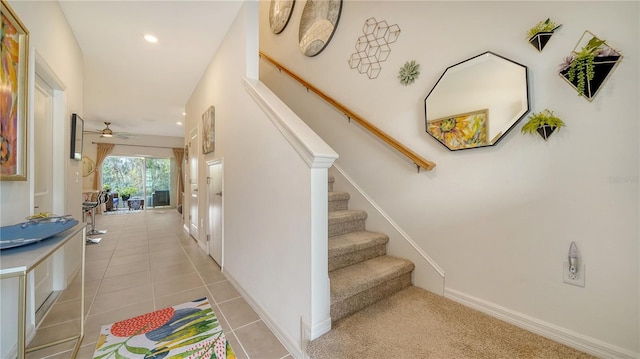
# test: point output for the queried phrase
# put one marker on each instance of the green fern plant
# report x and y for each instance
(540, 119)
(127, 192)
(542, 26)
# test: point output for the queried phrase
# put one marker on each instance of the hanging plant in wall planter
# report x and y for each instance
(541, 33)
(543, 123)
(589, 65)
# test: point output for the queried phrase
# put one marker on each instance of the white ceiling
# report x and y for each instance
(141, 87)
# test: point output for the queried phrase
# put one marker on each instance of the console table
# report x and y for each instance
(19, 261)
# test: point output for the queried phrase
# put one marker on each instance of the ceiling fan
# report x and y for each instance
(108, 132)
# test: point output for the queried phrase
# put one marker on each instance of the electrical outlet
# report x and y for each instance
(576, 278)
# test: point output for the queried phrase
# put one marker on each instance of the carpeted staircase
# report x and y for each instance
(360, 270)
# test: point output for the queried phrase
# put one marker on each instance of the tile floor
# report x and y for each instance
(145, 262)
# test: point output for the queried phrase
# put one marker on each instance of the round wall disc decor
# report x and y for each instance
(317, 25)
(279, 14)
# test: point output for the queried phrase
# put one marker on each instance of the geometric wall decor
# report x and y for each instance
(589, 65)
(372, 47)
(540, 34)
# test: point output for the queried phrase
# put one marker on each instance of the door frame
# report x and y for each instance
(209, 230)
(43, 128)
(60, 269)
(43, 275)
(59, 145)
(193, 185)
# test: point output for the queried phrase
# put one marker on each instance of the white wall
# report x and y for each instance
(267, 194)
(51, 38)
(498, 220)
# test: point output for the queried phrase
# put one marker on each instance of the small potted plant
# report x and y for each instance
(542, 123)
(127, 192)
(540, 34)
(588, 68)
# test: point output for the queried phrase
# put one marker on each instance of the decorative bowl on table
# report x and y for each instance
(34, 230)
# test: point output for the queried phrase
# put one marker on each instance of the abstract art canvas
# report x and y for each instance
(209, 130)
(462, 131)
(13, 96)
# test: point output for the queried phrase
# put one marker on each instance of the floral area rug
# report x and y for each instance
(189, 330)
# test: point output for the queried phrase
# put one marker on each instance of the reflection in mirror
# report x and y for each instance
(477, 101)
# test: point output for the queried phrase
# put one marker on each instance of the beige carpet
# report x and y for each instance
(415, 323)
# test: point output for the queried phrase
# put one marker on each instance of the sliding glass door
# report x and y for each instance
(145, 179)
(158, 183)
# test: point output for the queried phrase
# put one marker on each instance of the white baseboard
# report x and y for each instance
(321, 328)
(290, 343)
(561, 335)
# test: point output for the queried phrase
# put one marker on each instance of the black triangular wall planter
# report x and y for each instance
(602, 67)
(539, 40)
(546, 131)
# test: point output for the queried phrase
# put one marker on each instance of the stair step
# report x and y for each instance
(338, 201)
(332, 180)
(359, 285)
(355, 247)
(346, 221)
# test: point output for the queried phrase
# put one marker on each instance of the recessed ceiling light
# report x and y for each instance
(151, 38)
(179, 123)
(184, 114)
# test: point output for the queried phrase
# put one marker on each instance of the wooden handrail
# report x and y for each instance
(414, 157)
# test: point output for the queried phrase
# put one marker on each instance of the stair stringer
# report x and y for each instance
(427, 274)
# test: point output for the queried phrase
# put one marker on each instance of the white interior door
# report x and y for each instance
(214, 227)
(193, 184)
(43, 178)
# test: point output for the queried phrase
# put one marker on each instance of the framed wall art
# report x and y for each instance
(77, 126)
(462, 131)
(13, 96)
(209, 130)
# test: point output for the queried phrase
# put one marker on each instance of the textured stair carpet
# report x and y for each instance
(415, 323)
(188, 330)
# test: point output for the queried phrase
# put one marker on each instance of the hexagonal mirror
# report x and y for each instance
(477, 101)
